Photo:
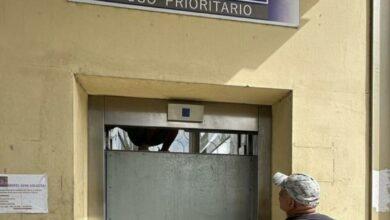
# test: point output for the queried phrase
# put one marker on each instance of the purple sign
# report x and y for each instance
(277, 12)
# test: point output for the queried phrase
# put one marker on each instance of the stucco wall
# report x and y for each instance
(80, 128)
(44, 42)
(381, 109)
(281, 146)
(36, 130)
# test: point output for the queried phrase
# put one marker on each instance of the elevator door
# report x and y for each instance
(176, 186)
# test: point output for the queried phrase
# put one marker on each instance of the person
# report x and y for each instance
(299, 196)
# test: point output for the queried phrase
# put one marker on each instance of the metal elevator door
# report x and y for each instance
(175, 186)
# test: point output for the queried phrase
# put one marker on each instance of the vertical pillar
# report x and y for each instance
(264, 162)
(381, 111)
(96, 157)
(194, 142)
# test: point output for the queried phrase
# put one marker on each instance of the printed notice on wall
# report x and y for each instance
(23, 193)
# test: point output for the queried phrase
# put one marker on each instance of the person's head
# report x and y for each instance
(298, 192)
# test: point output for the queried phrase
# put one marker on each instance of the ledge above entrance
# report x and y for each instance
(145, 88)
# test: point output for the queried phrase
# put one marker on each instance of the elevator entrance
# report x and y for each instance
(211, 167)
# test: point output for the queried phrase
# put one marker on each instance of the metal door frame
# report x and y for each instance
(99, 116)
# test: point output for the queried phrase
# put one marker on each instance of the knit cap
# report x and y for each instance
(302, 188)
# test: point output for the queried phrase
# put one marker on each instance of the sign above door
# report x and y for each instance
(275, 12)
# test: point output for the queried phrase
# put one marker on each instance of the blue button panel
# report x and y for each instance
(185, 112)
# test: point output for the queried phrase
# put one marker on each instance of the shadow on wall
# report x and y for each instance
(202, 48)
(120, 42)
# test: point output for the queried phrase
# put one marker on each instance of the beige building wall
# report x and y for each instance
(281, 146)
(381, 110)
(43, 43)
(80, 165)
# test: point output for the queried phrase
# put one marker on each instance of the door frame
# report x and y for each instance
(96, 158)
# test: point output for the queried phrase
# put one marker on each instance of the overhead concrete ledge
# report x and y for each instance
(143, 88)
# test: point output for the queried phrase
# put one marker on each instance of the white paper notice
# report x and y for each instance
(23, 193)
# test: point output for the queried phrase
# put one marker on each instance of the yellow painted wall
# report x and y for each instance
(44, 42)
(381, 109)
(80, 123)
(281, 146)
(36, 130)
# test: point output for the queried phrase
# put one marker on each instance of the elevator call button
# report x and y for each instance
(185, 112)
